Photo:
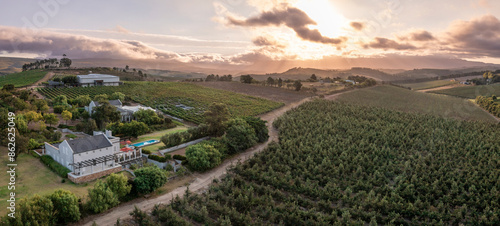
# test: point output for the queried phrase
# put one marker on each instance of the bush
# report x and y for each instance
(158, 158)
(146, 151)
(149, 179)
(60, 108)
(239, 136)
(259, 127)
(34, 154)
(71, 136)
(55, 166)
(101, 197)
(179, 157)
(202, 157)
(65, 206)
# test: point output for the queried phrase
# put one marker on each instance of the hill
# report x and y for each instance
(400, 99)
(22, 78)
(12, 65)
(471, 92)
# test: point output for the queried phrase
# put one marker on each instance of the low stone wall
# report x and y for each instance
(94, 176)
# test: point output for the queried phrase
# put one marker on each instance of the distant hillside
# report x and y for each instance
(12, 65)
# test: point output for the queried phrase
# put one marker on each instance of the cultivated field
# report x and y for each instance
(339, 164)
(267, 92)
(471, 92)
(400, 99)
(166, 95)
(428, 85)
(22, 78)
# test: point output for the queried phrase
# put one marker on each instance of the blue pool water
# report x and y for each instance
(144, 143)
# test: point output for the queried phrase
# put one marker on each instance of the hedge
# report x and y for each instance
(179, 157)
(55, 166)
(160, 158)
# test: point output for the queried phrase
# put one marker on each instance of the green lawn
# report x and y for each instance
(471, 92)
(400, 99)
(428, 85)
(22, 78)
(157, 136)
(33, 177)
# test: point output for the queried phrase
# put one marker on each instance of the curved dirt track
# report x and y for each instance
(203, 180)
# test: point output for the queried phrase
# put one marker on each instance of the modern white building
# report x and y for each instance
(126, 112)
(98, 80)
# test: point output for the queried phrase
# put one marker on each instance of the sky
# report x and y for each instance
(324, 33)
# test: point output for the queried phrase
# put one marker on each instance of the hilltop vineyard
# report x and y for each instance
(339, 164)
(182, 100)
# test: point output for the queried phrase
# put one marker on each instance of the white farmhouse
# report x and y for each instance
(91, 157)
(98, 80)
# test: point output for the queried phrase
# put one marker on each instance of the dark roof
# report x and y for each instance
(89, 143)
(112, 102)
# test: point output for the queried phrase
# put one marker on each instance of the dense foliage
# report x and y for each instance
(101, 197)
(55, 166)
(149, 179)
(172, 98)
(344, 164)
(239, 136)
(203, 156)
(491, 104)
(66, 207)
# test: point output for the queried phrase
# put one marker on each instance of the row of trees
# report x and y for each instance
(224, 78)
(339, 164)
(48, 63)
(491, 104)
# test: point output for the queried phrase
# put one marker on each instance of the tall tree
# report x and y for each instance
(65, 206)
(215, 118)
(66, 115)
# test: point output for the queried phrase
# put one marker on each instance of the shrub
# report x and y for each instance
(101, 197)
(55, 166)
(149, 179)
(259, 127)
(71, 136)
(179, 157)
(65, 206)
(118, 183)
(202, 157)
(146, 151)
(158, 158)
(34, 154)
(239, 136)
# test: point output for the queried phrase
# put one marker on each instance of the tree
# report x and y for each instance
(215, 118)
(259, 126)
(270, 81)
(70, 79)
(83, 100)
(171, 140)
(246, 79)
(65, 62)
(65, 206)
(147, 116)
(41, 105)
(33, 144)
(148, 179)
(314, 78)
(32, 116)
(126, 67)
(280, 82)
(66, 115)
(117, 96)
(37, 210)
(21, 123)
(101, 197)
(87, 126)
(8, 87)
(297, 85)
(60, 100)
(118, 183)
(51, 118)
(101, 98)
(239, 136)
(202, 157)
(487, 75)
(132, 129)
(105, 113)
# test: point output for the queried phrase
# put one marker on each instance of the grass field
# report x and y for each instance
(33, 177)
(428, 85)
(157, 136)
(400, 99)
(471, 92)
(166, 95)
(22, 78)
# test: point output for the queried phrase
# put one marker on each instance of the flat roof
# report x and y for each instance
(97, 76)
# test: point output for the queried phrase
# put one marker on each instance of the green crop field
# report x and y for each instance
(471, 92)
(166, 95)
(342, 164)
(22, 78)
(428, 85)
(400, 99)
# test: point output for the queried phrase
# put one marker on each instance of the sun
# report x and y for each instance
(329, 21)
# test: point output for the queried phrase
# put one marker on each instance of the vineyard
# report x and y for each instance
(429, 84)
(341, 164)
(471, 92)
(170, 97)
(22, 78)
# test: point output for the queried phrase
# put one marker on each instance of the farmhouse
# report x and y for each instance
(91, 157)
(126, 112)
(98, 80)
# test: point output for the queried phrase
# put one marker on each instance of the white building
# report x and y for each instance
(98, 80)
(91, 157)
(126, 112)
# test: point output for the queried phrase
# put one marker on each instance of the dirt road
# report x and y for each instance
(202, 180)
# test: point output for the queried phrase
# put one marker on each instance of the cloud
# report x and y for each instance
(291, 17)
(358, 26)
(386, 44)
(263, 41)
(121, 29)
(54, 44)
(421, 36)
(479, 36)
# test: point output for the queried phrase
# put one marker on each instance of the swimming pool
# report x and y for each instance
(144, 143)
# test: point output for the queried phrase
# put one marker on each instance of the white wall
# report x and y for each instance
(63, 155)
